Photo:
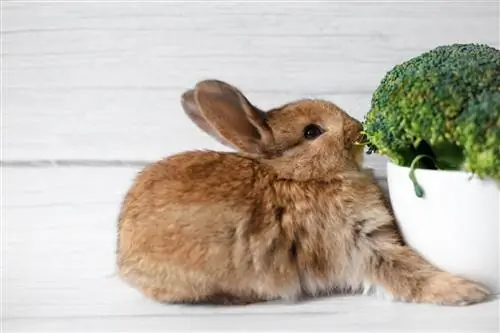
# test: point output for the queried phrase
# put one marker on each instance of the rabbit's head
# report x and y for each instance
(302, 140)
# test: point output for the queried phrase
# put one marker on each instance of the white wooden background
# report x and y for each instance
(90, 92)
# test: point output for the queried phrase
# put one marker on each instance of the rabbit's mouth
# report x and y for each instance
(358, 149)
(358, 152)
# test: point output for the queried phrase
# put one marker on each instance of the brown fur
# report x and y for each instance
(282, 218)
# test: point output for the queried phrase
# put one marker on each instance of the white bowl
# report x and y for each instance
(455, 225)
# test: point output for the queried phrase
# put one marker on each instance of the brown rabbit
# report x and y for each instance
(289, 215)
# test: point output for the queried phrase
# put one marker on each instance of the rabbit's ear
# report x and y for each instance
(234, 119)
(193, 112)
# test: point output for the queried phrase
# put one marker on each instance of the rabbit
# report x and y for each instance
(288, 213)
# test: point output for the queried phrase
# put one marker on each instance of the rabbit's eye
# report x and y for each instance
(312, 131)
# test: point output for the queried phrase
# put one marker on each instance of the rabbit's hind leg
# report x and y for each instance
(229, 299)
(175, 294)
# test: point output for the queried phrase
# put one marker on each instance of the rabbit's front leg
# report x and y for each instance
(405, 275)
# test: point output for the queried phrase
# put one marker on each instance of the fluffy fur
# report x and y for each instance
(282, 218)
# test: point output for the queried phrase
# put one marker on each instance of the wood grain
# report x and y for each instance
(94, 80)
(59, 233)
(354, 314)
(114, 124)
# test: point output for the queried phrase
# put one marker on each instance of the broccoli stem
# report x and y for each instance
(419, 191)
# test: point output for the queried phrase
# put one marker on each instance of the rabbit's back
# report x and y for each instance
(198, 213)
(198, 177)
(195, 195)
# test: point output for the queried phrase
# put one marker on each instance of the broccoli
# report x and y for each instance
(440, 110)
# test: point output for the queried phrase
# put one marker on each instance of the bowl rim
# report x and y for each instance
(463, 172)
(435, 174)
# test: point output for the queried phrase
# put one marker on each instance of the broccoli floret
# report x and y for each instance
(478, 132)
(444, 104)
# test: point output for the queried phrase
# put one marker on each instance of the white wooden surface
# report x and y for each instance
(102, 80)
(90, 91)
(59, 272)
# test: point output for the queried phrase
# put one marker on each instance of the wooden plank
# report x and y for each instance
(59, 233)
(171, 45)
(354, 314)
(95, 80)
(117, 124)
